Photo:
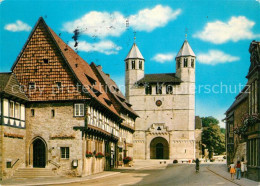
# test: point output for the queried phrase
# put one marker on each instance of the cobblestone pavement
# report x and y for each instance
(151, 174)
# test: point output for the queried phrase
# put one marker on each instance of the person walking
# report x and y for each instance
(242, 168)
(238, 170)
(232, 170)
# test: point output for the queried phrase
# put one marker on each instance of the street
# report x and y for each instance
(180, 174)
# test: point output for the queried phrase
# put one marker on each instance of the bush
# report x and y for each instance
(175, 161)
(127, 159)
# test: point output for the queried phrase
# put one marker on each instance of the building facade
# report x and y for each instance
(69, 125)
(165, 104)
(243, 121)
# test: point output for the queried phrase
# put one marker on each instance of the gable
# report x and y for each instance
(41, 63)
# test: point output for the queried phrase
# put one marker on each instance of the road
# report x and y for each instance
(163, 175)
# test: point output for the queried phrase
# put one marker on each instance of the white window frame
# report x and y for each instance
(77, 109)
(17, 112)
(66, 153)
(11, 115)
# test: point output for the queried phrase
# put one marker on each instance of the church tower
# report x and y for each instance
(134, 69)
(185, 63)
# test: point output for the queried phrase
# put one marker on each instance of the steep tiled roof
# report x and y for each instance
(113, 88)
(134, 53)
(185, 50)
(79, 68)
(9, 85)
(159, 78)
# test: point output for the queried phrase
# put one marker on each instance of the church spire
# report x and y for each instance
(185, 50)
(134, 53)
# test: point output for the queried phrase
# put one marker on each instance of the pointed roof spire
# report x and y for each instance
(134, 53)
(185, 50)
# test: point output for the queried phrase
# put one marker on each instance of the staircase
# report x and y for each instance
(33, 173)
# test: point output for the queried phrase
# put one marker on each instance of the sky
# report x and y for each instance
(218, 31)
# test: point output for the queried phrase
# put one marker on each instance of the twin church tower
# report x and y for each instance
(165, 104)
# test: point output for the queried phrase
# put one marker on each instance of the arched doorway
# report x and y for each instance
(159, 148)
(39, 153)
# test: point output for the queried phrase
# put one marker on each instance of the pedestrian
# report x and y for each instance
(238, 170)
(242, 168)
(232, 170)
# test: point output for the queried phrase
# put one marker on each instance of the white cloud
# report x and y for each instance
(104, 24)
(258, 1)
(162, 58)
(150, 19)
(18, 26)
(106, 47)
(214, 57)
(1, 1)
(237, 28)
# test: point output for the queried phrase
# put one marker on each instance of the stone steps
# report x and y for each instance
(33, 173)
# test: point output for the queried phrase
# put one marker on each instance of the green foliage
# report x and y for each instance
(206, 121)
(212, 136)
(223, 130)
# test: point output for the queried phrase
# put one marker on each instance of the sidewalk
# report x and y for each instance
(221, 170)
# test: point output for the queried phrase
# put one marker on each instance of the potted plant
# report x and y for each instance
(127, 160)
(99, 155)
(89, 154)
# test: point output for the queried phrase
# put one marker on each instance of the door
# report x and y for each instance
(39, 154)
(159, 151)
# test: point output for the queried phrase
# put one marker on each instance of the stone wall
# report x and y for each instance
(13, 149)
(57, 132)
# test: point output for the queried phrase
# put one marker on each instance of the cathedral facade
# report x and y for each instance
(165, 104)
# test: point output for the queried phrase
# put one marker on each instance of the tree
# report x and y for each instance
(212, 136)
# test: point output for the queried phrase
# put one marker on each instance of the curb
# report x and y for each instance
(223, 177)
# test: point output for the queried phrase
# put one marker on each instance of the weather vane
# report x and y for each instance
(134, 36)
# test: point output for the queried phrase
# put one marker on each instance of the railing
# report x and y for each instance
(15, 163)
(54, 163)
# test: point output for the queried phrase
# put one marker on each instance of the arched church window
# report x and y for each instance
(126, 65)
(185, 62)
(192, 63)
(169, 89)
(148, 89)
(133, 64)
(178, 63)
(140, 65)
(158, 89)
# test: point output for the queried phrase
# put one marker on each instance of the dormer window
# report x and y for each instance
(133, 64)
(46, 61)
(91, 80)
(185, 62)
(58, 84)
(32, 85)
(140, 65)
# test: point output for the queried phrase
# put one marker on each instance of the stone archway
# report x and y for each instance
(39, 153)
(159, 148)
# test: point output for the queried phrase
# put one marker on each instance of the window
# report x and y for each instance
(192, 63)
(53, 113)
(79, 109)
(32, 112)
(65, 152)
(58, 84)
(126, 65)
(32, 85)
(185, 62)
(158, 89)
(11, 109)
(46, 61)
(133, 64)
(178, 63)
(148, 89)
(140, 65)
(17, 110)
(169, 89)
